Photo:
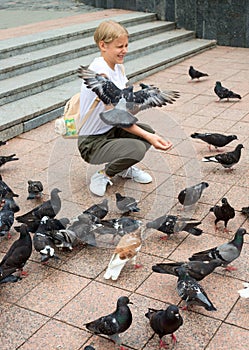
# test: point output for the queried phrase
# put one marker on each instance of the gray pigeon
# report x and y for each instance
(115, 323)
(214, 139)
(165, 322)
(192, 194)
(223, 213)
(195, 74)
(225, 253)
(17, 255)
(196, 269)
(119, 226)
(228, 159)
(223, 92)
(192, 292)
(126, 204)
(35, 189)
(245, 211)
(99, 210)
(171, 224)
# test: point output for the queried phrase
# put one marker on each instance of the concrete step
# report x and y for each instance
(41, 78)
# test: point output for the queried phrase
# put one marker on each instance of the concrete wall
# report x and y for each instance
(227, 21)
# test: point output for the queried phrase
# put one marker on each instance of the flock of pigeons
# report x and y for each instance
(50, 234)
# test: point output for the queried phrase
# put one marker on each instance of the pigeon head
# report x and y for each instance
(218, 83)
(239, 146)
(56, 190)
(224, 200)
(123, 301)
(205, 184)
(233, 137)
(173, 311)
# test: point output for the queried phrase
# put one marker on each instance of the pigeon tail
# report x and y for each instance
(114, 268)
(195, 231)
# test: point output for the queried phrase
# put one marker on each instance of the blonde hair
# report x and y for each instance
(108, 31)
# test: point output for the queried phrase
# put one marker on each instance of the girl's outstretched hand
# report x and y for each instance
(159, 143)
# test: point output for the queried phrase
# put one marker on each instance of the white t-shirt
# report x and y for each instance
(94, 125)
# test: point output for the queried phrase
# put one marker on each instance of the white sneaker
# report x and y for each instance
(136, 174)
(99, 183)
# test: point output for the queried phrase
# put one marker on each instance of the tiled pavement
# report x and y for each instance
(49, 307)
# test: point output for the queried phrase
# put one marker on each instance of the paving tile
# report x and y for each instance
(56, 335)
(229, 337)
(239, 314)
(96, 300)
(19, 325)
(55, 291)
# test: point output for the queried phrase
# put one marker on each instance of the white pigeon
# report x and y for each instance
(127, 249)
(244, 293)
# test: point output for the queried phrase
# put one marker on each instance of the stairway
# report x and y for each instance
(38, 71)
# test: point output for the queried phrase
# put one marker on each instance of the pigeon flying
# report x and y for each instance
(115, 323)
(195, 74)
(192, 292)
(244, 293)
(223, 92)
(6, 159)
(228, 159)
(165, 322)
(127, 249)
(223, 213)
(126, 204)
(17, 255)
(214, 139)
(171, 224)
(192, 194)
(196, 269)
(225, 253)
(35, 189)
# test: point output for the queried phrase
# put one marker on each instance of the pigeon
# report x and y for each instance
(43, 243)
(191, 291)
(244, 293)
(127, 249)
(6, 219)
(5, 190)
(115, 323)
(245, 211)
(223, 213)
(6, 159)
(228, 159)
(35, 189)
(214, 139)
(196, 269)
(171, 224)
(11, 203)
(48, 208)
(124, 100)
(89, 347)
(126, 204)
(165, 322)
(195, 74)
(10, 279)
(192, 194)
(119, 226)
(17, 255)
(64, 238)
(223, 92)
(99, 210)
(225, 253)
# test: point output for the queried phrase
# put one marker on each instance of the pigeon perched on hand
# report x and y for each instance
(196, 269)
(225, 253)
(35, 189)
(6, 159)
(125, 100)
(214, 139)
(126, 204)
(99, 210)
(171, 224)
(48, 208)
(115, 323)
(244, 293)
(192, 194)
(195, 74)
(191, 291)
(5, 190)
(228, 159)
(17, 255)
(223, 213)
(165, 322)
(223, 92)
(127, 249)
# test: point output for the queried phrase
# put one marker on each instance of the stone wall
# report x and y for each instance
(227, 21)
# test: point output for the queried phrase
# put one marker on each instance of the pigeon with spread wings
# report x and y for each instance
(124, 100)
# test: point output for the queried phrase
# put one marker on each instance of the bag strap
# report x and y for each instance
(87, 115)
